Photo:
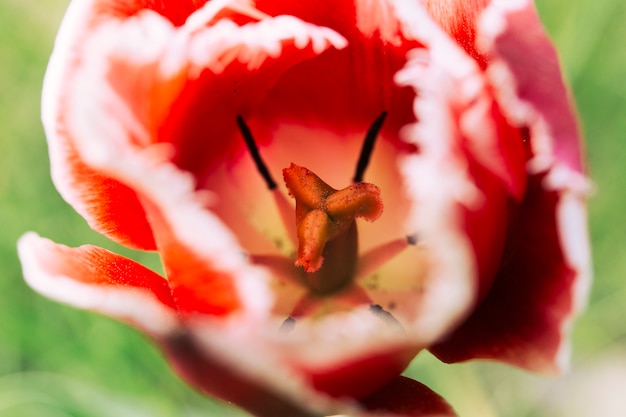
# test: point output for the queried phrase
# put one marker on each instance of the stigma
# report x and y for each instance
(326, 226)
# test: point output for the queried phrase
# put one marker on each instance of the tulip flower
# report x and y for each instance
(332, 187)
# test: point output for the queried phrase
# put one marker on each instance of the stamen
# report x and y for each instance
(254, 152)
(368, 147)
(385, 316)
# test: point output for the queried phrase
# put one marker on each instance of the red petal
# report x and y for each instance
(379, 19)
(525, 72)
(340, 90)
(525, 318)
(201, 123)
(405, 397)
(459, 19)
(95, 279)
(486, 224)
(113, 127)
(176, 11)
(108, 206)
(452, 80)
(477, 159)
(357, 378)
(207, 271)
(199, 284)
(545, 273)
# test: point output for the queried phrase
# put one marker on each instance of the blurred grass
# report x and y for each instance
(56, 361)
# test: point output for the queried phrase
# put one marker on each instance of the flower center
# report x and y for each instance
(327, 262)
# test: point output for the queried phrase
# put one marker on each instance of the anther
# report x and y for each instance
(385, 316)
(287, 325)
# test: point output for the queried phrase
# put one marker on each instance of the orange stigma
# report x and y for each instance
(326, 227)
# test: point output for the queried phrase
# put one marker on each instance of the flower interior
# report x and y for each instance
(329, 125)
(325, 219)
(312, 250)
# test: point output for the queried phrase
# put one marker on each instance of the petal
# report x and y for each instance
(378, 19)
(405, 397)
(207, 272)
(525, 73)
(176, 11)
(445, 70)
(95, 279)
(461, 218)
(289, 372)
(108, 206)
(245, 64)
(526, 317)
(209, 372)
(357, 377)
(545, 276)
(459, 19)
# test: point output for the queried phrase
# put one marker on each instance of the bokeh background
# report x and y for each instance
(59, 362)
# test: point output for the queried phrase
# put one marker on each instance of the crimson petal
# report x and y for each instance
(405, 397)
(523, 319)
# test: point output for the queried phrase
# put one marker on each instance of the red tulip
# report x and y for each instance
(332, 186)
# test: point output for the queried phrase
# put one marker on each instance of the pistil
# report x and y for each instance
(326, 226)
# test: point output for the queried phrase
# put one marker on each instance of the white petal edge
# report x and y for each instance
(132, 305)
(442, 71)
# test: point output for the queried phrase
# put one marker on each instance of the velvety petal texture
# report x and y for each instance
(332, 187)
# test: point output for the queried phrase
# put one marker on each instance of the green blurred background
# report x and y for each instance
(57, 361)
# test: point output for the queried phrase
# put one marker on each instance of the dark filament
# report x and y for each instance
(368, 147)
(254, 152)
